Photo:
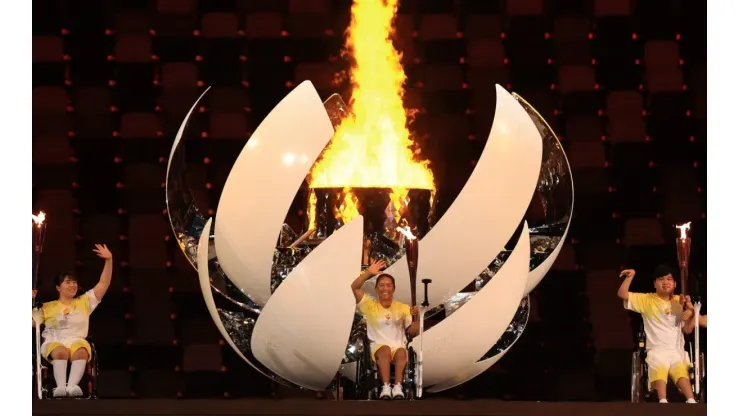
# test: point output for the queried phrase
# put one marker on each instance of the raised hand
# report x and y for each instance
(376, 266)
(627, 274)
(102, 251)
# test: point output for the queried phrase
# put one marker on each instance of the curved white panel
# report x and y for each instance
(463, 337)
(302, 332)
(486, 212)
(180, 132)
(536, 275)
(262, 184)
(469, 372)
(205, 287)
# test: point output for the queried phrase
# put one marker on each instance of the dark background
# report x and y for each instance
(623, 82)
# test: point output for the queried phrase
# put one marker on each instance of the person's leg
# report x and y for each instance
(658, 373)
(679, 373)
(400, 358)
(383, 360)
(80, 351)
(59, 356)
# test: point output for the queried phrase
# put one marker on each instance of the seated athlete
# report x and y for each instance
(387, 321)
(66, 322)
(665, 324)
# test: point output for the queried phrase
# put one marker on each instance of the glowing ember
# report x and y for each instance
(38, 219)
(372, 147)
(684, 228)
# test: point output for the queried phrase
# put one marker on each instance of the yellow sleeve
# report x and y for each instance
(637, 302)
(364, 305)
(407, 319)
(83, 302)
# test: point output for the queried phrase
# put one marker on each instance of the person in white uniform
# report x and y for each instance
(387, 323)
(66, 322)
(665, 324)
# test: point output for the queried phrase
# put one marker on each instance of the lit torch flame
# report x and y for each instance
(372, 147)
(684, 228)
(38, 220)
(406, 231)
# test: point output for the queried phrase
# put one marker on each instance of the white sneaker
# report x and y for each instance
(691, 401)
(398, 392)
(385, 391)
(663, 401)
(59, 392)
(74, 391)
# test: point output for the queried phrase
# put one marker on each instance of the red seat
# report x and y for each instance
(139, 126)
(586, 155)
(583, 128)
(449, 127)
(47, 49)
(570, 36)
(264, 25)
(59, 249)
(92, 101)
(227, 99)
(219, 25)
(49, 101)
(403, 40)
(309, 6)
(642, 232)
(525, 7)
(176, 6)
(143, 176)
(229, 126)
(626, 122)
(134, 49)
(662, 70)
(438, 26)
(202, 358)
(479, 26)
(682, 206)
(443, 77)
(486, 52)
(566, 260)
(606, 8)
(609, 319)
(322, 75)
(179, 75)
(52, 150)
(147, 249)
(577, 79)
(200, 331)
(132, 24)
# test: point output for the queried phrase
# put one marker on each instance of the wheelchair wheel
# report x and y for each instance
(411, 376)
(637, 392)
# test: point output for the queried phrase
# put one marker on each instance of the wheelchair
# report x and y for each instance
(47, 377)
(368, 382)
(641, 391)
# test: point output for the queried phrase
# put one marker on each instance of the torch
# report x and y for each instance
(412, 258)
(683, 252)
(38, 227)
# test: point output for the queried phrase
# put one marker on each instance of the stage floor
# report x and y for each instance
(296, 407)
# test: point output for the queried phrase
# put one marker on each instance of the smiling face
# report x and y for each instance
(384, 288)
(665, 285)
(68, 287)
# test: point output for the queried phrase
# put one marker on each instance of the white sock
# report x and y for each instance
(663, 401)
(60, 372)
(690, 401)
(76, 372)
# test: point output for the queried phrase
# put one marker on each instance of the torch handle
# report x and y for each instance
(412, 258)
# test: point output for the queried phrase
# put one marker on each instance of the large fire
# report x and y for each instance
(372, 147)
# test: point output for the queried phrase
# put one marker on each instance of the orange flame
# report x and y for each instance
(372, 147)
(38, 219)
(684, 228)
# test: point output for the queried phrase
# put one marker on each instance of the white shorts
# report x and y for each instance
(374, 347)
(662, 363)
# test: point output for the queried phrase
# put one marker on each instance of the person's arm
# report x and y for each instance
(33, 296)
(687, 316)
(374, 268)
(412, 327)
(624, 289)
(703, 320)
(107, 273)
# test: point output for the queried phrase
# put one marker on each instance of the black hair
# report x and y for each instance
(65, 275)
(663, 270)
(385, 275)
